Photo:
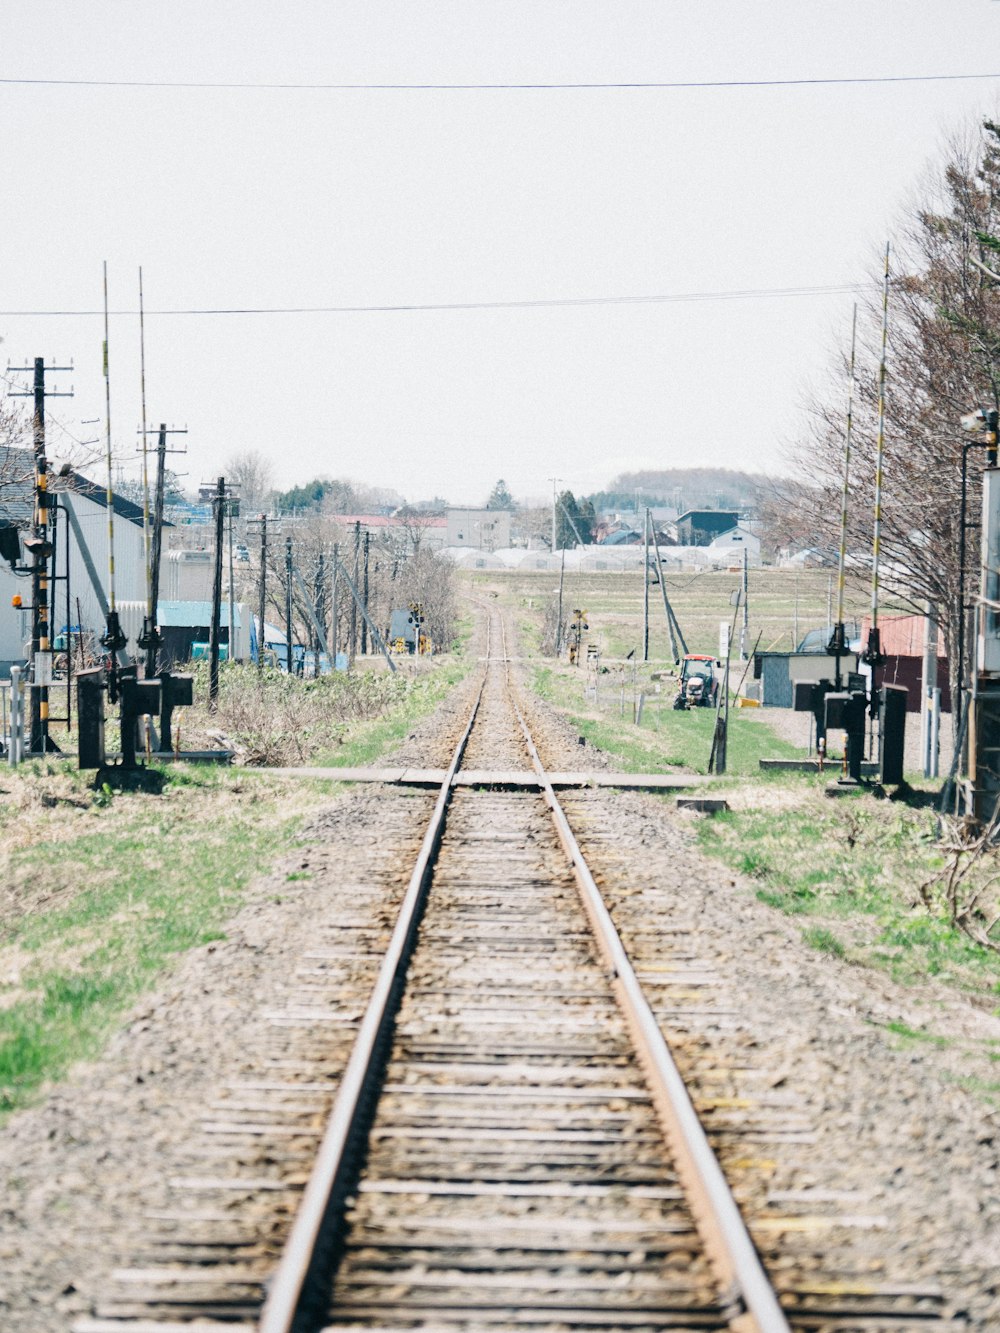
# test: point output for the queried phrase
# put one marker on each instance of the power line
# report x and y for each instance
(636, 84)
(746, 294)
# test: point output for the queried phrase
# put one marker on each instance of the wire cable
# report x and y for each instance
(746, 294)
(627, 85)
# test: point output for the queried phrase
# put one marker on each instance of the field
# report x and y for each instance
(783, 605)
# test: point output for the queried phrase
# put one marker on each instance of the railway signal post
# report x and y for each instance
(40, 549)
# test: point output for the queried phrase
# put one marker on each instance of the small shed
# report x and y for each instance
(778, 673)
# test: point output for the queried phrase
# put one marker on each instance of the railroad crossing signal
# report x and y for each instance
(577, 627)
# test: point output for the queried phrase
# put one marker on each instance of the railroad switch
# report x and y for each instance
(156, 697)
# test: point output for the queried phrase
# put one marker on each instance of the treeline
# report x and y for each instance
(686, 488)
(328, 495)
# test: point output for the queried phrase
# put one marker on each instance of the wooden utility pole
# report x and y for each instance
(319, 606)
(334, 607)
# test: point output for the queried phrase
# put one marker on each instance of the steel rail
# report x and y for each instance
(281, 1310)
(717, 1216)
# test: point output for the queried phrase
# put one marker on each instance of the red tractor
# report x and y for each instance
(698, 686)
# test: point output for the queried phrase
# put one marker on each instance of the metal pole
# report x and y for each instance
(645, 586)
(261, 596)
(838, 638)
(364, 594)
(113, 639)
(145, 459)
(156, 550)
(354, 609)
(14, 749)
(745, 626)
(559, 611)
(928, 684)
(873, 652)
(232, 608)
(213, 641)
(38, 743)
(110, 487)
(288, 604)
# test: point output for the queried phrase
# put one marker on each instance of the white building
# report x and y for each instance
(729, 546)
(88, 502)
(484, 529)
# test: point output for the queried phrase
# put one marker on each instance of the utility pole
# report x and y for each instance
(262, 593)
(559, 609)
(745, 626)
(554, 481)
(873, 654)
(219, 505)
(112, 639)
(149, 639)
(645, 587)
(262, 521)
(40, 548)
(288, 604)
(364, 595)
(232, 511)
(334, 608)
(354, 609)
(319, 606)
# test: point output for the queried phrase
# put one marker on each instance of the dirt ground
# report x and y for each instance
(897, 1131)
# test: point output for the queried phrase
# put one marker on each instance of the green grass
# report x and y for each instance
(161, 877)
(854, 865)
(367, 740)
(819, 937)
(916, 1035)
(159, 874)
(666, 739)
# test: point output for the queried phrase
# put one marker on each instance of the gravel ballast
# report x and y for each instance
(893, 1126)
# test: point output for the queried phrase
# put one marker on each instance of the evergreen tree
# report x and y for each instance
(500, 497)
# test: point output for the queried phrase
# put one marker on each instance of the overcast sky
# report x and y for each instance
(289, 198)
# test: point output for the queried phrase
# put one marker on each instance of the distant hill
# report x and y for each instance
(687, 488)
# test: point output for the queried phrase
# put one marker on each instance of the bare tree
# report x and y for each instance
(944, 359)
(252, 476)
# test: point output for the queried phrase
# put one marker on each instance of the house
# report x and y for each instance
(698, 527)
(76, 601)
(729, 546)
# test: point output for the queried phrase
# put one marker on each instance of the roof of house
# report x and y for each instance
(699, 517)
(81, 485)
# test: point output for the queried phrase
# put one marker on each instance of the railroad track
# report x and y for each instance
(511, 1144)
